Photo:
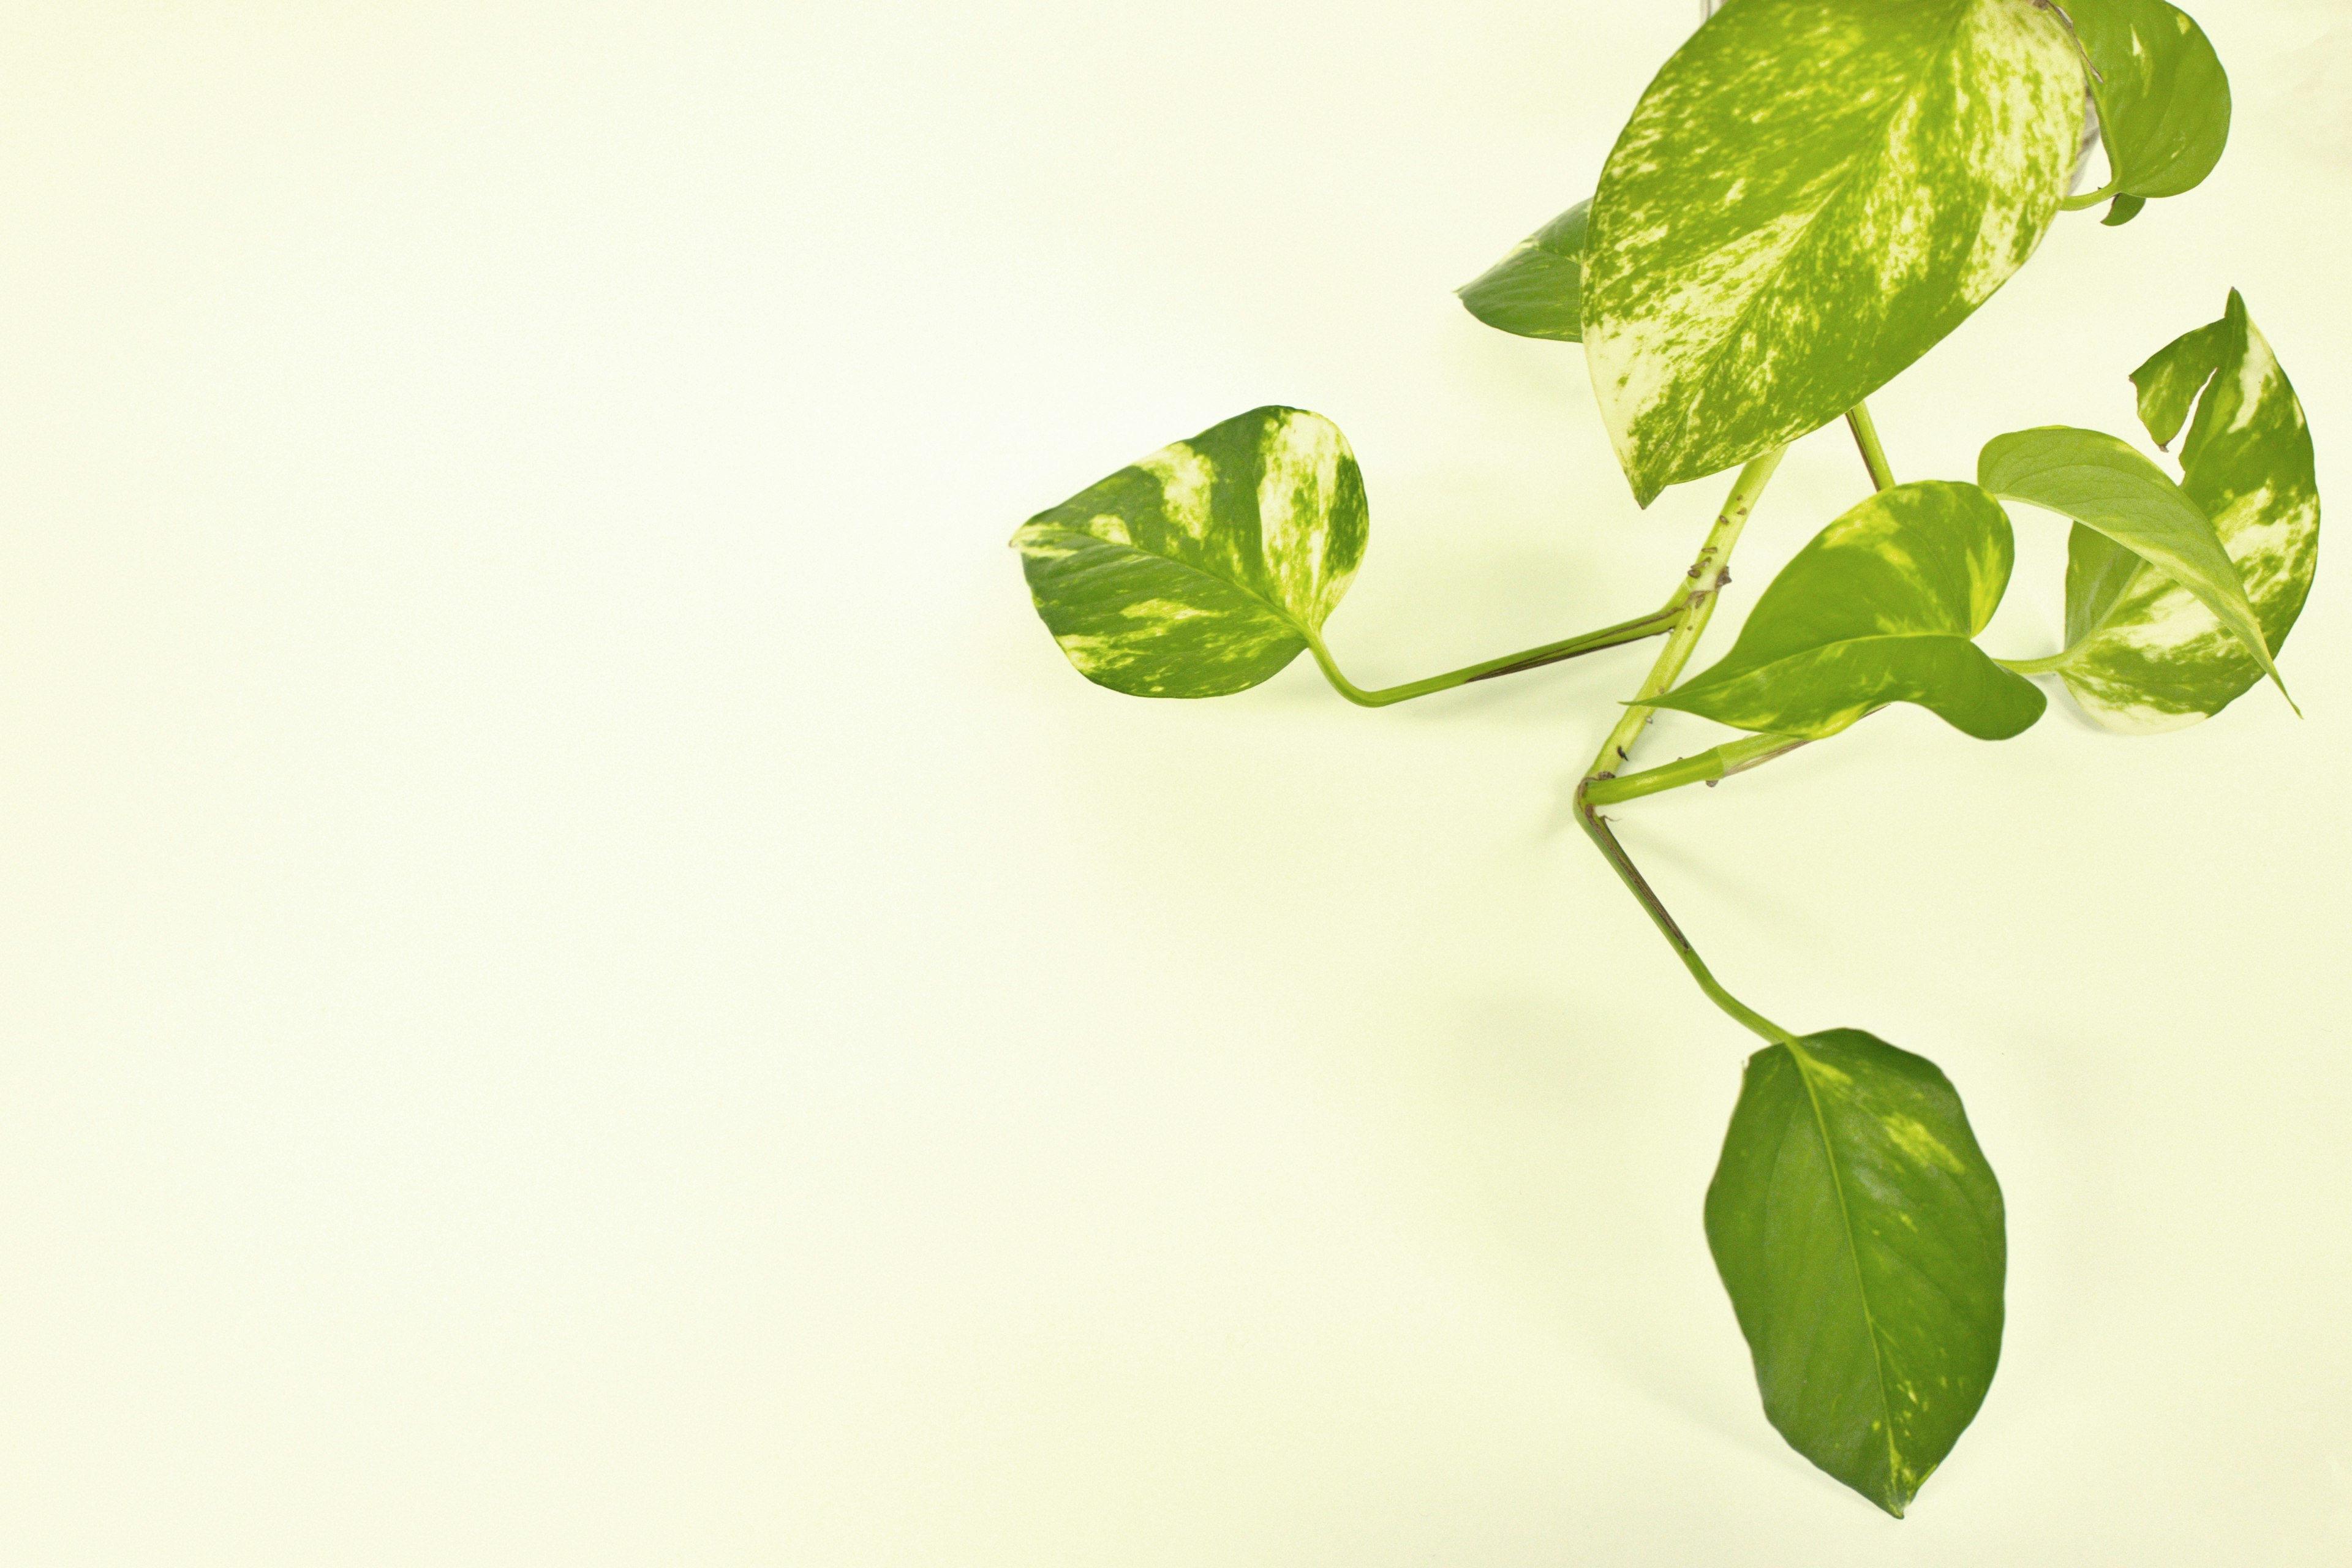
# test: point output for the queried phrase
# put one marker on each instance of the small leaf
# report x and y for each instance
(2173, 376)
(2104, 485)
(1809, 197)
(1538, 290)
(2163, 97)
(1860, 1233)
(1880, 607)
(2121, 210)
(2145, 655)
(1206, 567)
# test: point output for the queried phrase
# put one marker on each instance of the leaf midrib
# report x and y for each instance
(1853, 1256)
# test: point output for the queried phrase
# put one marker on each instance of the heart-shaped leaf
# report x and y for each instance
(2144, 654)
(1809, 197)
(2106, 486)
(1859, 1231)
(1209, 565)
(2163, 97)
(1538, 290)
(1880, 607)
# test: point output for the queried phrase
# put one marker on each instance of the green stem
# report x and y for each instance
(1648, 626)
(1597, 827)
(1708, 575)
(1707, 767)
(2050, 665)
(1873, 456)
(1695, 606)
(2107, 192)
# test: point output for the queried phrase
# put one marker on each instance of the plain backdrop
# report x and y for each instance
(580, 983)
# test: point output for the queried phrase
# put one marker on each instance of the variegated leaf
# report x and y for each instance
(1209, 565)
(2102, 484)
(2146, 655)
(1860, 1233)
(2163, 98)
(1538, 290)
(1880, 607)
(1809, 197)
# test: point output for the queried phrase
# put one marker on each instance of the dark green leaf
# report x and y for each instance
(2102, 484)
(2163, 97)
(1809, 197)
(1538, 290)
(1880, 607)
(2144, 653)
(2121, 210)
(1859, 1231)
(1209, 565)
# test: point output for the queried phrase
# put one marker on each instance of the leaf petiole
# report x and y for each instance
(1649, 625)
(1873, 456)
(1707, 767)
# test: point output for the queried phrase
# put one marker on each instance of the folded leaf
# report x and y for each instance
(1859, 1232)
(2173, 376)
(2163, 97)
(1538, 290)
(1809, 197)
(1880, 607)
(2106, 486)
(1206, 567)
(2143, 654)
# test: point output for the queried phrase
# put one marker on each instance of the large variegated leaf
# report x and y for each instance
(2106, 486)
(2144, 654)
(1809, 197)
(1860, 1233)
(1538, 290)
(1880, 607)
(1209, 565)
(2163, 98)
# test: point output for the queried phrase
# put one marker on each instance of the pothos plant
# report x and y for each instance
(1810, 195)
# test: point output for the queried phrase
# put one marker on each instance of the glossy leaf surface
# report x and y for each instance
(1860, 1233)
(2163, 97)
(1538, 290)
(1880, 607)
(1809, 197)
(2146, 655)
(1209, 565)
(2104, 485)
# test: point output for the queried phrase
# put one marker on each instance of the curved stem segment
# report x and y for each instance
(1708, 575)
(1873, 456)
(1648, 626)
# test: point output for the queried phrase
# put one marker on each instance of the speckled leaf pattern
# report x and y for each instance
(1538, 290)
(1208, 567)
(1860, 1233)
(1880, 607)
(2145, 655)
(2106, 486)
(2163, 97)
(1810, 195)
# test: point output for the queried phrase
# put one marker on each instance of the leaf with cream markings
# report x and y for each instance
(1208, 567)
(1860, 1235)
(1810, 196)
(2163, 98)
(1881, 607)
(2104, 485)
(1538, 290)
(2144, 654)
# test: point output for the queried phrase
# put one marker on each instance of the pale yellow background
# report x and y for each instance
(581, 985)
